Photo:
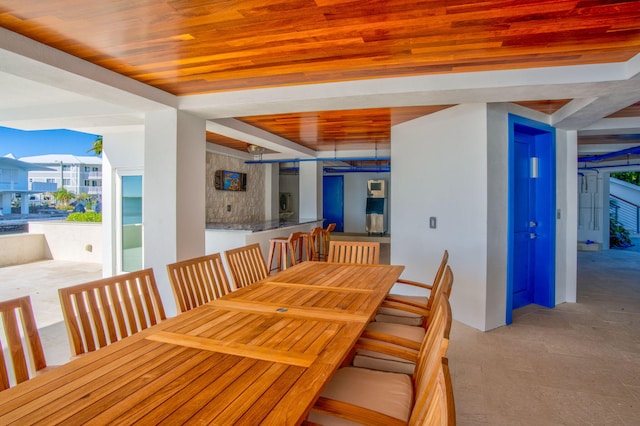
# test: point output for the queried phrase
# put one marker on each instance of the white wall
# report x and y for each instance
(355, 200)
(593, 207)
(173, 188)
(440, 169)
(459, 175)
(290, 183)
(566, 216)
(74, 241)
(497, 218)
(310, 181)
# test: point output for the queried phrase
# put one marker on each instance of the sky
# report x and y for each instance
(22, 143)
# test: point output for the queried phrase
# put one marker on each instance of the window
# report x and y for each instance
(50, 180)
(66, 181)
(131, 218)
(66, 167)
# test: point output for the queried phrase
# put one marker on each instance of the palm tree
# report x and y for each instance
(63, 196)
(97, 146)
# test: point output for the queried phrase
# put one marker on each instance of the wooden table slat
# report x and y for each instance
(238, 349)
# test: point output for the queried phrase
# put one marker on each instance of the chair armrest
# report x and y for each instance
(355, 413)
(414, 283)
(390, 338)
(387, 349)
(405, 307)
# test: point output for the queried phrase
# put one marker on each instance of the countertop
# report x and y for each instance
(260, 225)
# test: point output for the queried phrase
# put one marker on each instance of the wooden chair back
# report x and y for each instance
(25, 354)
(430, 403)
(197, 281)
(442, 289)
(246, 265)
(437, 280)
(318, 251)
(296, 248)
(354, 252)
(326, 237)
(104, 311)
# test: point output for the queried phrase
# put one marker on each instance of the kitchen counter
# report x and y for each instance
(221, 236)
(260, 225)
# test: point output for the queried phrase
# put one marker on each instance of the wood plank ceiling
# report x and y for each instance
(188, 47)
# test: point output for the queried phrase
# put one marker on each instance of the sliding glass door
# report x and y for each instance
(131, 254)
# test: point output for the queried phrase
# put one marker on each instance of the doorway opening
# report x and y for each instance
(532, 215)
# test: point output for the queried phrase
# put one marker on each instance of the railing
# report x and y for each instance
(625, 212)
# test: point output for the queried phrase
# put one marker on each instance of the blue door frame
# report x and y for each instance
(531, 216)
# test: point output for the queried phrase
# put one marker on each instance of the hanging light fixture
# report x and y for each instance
(256, 151)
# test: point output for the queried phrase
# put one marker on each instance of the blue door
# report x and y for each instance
(531, 257)
(333, 201)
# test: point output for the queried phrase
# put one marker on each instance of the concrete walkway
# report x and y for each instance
(41, 281)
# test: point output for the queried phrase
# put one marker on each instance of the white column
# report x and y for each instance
(310, 190)
(271, 191)
(567, 216)
(24, 204)
(174, 193)
(439, 169)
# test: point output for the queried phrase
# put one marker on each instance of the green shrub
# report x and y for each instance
(618, 236)
(85, 217)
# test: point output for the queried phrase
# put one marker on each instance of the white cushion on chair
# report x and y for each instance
(399, 316)
(379, 361)
(387, 393)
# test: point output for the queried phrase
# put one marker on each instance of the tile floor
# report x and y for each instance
(576, 364)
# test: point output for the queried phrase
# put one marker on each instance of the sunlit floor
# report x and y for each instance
(41, 281)
(576, 364)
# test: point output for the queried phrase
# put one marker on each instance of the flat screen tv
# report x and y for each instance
(230, 181)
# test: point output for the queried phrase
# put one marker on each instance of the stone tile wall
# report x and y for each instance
(246, 206)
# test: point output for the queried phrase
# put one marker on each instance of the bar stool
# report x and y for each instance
(283, 249)
(303, 243)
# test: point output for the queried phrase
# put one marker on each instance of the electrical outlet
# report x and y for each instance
(228, 207)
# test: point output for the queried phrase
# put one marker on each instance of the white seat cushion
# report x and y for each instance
(387, 393)
(383, 362)
(399, 316)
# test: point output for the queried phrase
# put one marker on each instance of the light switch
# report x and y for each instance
(432, 222)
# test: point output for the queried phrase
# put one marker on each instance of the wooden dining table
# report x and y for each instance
(260, 355)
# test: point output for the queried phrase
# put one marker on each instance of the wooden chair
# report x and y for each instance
(412, 310)
(326, 237)
(375, 397)
(402, 336)
(24, 356)
(246, 265)
(354, 252)
(197, 281)
(318, 251)
(104, 311)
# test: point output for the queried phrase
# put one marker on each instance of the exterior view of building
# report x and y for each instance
(77, 174)
(14, 182)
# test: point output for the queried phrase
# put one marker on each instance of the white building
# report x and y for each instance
(77, 174)
(14, 182)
